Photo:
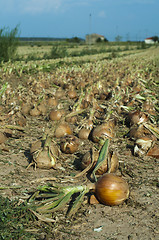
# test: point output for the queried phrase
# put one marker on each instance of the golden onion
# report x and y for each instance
(111, 189)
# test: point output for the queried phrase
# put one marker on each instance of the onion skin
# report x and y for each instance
(25, 108)
(137, 117)
(114, 163)
(104, 131)
(84, 133)
(45, 157)
(111, 190)
(35, 112)
(35, 146)
(3, 138)
(69, 144)
(43, 160)
(62, 130)
(52, 102)
(72, 94)
(55, 115)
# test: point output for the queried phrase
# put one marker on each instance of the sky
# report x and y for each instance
(130, 19)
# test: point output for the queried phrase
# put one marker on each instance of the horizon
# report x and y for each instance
(82, 39)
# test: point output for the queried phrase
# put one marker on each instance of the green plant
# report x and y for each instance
(58, 52)
(14, 219)
(8, 43)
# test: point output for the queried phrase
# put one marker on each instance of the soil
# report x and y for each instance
(137, 218)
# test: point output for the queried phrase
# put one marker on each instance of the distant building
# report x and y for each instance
(93, 38)
(150, 40)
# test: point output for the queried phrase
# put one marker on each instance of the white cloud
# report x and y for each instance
(44, 6)
(39, 6)
(102, 14)
(114, 2)
(30, 6)
(138, 1)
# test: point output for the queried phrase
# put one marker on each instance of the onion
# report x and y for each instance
(102, 132)
(137, 132)
(111, 189)
(154, 152)
(45, 160)
(59, 94)
(25, 108)
(137, 117)
(86, 130)
(69, 144)
(35, 112)
(62, 130)
(109, 164)
(52, 102)
(72, 119)
(142, 145)
(21, 119)
(3, 138)
(84, 133)
(44, 156)
(42, 108)
(72, 94)
(35, 146)
(55, 115)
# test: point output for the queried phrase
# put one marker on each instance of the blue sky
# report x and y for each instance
(131, 19)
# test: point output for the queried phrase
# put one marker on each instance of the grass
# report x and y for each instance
(14, 219)
(53, 50)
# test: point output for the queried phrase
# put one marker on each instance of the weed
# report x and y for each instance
(14, 218)
(8, 43)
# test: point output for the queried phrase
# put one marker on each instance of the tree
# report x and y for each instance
(99, 40)
(74, 40)
(8, 43)
(155, 38)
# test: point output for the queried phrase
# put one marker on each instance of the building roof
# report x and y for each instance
(95, 34)
(149, 38)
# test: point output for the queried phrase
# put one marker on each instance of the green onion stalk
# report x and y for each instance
(52, 198)
(49, 198)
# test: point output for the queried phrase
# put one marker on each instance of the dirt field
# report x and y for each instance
(138, 217)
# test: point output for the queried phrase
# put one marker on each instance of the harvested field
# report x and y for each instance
(99, 90)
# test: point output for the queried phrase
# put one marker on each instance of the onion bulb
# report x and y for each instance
(42, 108)
(25, 108)
(62, 130)
(137, 117)
(84, 133)
(110, 164)
(56, 115)
(142, 145)
(111, 189)
(72, 93)
(69, 144)
(154, 152)
(3, 138)
(52, 102)
(103, 131)
(35, 112)
(44, 156)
